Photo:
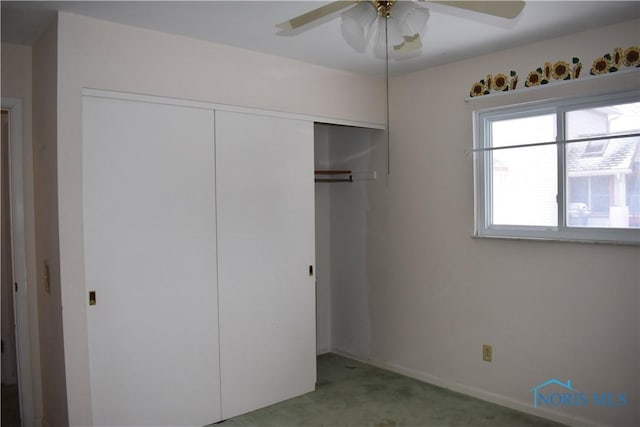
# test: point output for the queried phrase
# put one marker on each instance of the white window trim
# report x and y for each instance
(561, 232)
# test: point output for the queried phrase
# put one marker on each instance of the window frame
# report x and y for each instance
(482, 120)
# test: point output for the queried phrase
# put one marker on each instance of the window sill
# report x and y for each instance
(558, 240)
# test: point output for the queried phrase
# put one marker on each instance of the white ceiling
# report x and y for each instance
(451, 35)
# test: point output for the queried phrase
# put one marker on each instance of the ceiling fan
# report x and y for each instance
(398, 29)
(403, 23)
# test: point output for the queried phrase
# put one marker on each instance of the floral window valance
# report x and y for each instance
(558, 71)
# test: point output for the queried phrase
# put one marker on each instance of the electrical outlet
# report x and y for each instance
(487, 352)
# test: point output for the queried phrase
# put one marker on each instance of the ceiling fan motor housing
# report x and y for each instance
(383, 7)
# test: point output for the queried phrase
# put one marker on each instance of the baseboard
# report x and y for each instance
(350, 355)
(320, 351)
(476, 392)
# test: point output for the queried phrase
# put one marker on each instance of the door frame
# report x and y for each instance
(19, 260)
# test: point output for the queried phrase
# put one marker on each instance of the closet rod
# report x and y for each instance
(350, 179)
(332, 172)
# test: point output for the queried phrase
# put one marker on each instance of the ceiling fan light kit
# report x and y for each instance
(405, 21)
(357, 25)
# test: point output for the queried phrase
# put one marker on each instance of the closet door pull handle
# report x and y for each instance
(311, 270)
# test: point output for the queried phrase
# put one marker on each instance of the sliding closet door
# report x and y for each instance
(265, 201)
(150, 258)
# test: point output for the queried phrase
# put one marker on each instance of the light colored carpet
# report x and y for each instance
(349, 393)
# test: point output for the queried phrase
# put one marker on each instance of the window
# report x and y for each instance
(567, 170)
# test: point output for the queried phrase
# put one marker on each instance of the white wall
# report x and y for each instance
(104, 55)
(323, 241)
(16, 83)
(45, 138)
(550, 310)
(351, 149)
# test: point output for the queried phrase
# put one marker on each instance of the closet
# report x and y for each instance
(351, 166)
(199, 259)
(264, 173)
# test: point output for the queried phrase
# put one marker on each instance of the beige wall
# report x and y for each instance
(550, 310)
(98, 54)
(45, 113)
(16, 83)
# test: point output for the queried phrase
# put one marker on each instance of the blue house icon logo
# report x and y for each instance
(545, 384)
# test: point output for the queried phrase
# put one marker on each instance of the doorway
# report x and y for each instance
(21, 295)
(10, 395)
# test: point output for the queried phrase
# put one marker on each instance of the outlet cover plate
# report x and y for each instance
(487, 353)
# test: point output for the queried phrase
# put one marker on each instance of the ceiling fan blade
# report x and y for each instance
(410, 44)
(502, 9)
(318, 13)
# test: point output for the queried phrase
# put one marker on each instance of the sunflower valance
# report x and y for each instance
(560, 70)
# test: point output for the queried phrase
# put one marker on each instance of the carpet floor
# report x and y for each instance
(350, 393)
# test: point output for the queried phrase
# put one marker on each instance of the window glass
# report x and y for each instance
(524, 179)
(602, 175)
(525, 186)
(518, 193)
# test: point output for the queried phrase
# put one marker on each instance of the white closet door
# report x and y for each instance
(265, 201)
(150, 256)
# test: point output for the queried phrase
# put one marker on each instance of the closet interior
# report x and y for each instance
(348, 169)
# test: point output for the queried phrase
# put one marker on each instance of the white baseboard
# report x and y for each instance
(476, 392)
(350, 355)
(323, 350)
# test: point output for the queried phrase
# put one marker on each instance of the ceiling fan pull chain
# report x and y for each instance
(386, 63)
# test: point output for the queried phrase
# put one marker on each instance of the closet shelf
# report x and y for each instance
(334, 173)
